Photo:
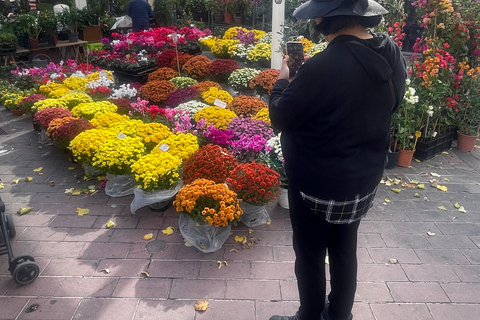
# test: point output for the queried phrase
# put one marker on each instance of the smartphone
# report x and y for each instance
(295, 52)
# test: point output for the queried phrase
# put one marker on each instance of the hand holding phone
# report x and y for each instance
(295, 53)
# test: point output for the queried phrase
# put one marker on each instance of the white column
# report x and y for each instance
(80, 3)
(278, 19)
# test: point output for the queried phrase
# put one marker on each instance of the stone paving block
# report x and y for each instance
(126, 200)
(106, 309)
(43, 234)
(42, 286)
(273, 270)
(372, 292)
(192, 253)
(454, 228)
(88, 235)
(122, 267)
(476, 240)
(51, 309)
(58, 249)
(174, 269)
(363, 256)
(253, 290)
(86, 287)
(41, 262)
(366, 240)
(96, 209)
(417, 292)
(234, 270)
(10, 307)
(429, 272)
(411, 241)
(143, 288)
(269, 238)
(441, 256)
(454, 311)
(380, 273)
(70, 267)
(451, 241)
(462, 292)
(68, 221)
(289, 290)
(377, 227)
(255, 253)
(155, 222)
(5, 282)
(277, 225)
(390, 215)
(467, 273)
(266, 309)
(415, 227)
(165, 310)
(197, 289)
(221, 310)
(100, 250)
(44, 197)
(403, 255)
(435, 214)
(33, 220)
(473, 255)
(23, 247)
(397, 311)
(131, 235)
(284, 253)
(121, 222)
(168, 254)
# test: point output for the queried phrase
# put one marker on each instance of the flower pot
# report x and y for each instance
(218, 17)
(283, 198)
(465, 142)
(18, 112)
(120, 185)
(253, 215)
(158, 200)
(91, 171)
(228, 17)
(203, 236)
(43, 138)
(405, 158)
(237, 19)
(33, 43)
(73, 37)
(392, 159)
(92, 33)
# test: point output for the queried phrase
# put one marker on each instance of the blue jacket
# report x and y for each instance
(140, 12)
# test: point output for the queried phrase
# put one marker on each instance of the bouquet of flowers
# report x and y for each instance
(263, 115)
(191, 106)
(254, 183)
(157, 171)
(246, 106)
(207, 202)
(11, 100)
(180, 96)
(218, 136)
(206, 85)
(180, 61)
(48, 103)
(218, 117)
(164, 73)
(261, 53)
(57, 123)
(117, 156)
(152, 134)
(181, 145)
(164, 58)
(89, 110)
(67, 132)
(197, 67)
(183, 82)
(222, 48)
(74, 98)
(215, 94)
(157, 91)
(240, 78)
(53, 90)
(264, 81)
(107, 120)
(44, 116)
(76, 82)
(220, 69)
(86, 143)
(125, 91)
(27, 103)
(211, 162)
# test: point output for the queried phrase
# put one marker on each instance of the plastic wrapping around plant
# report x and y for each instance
(283, 198)
(254, 215)
(120, 185)
(203, 236)
(44, 139)
(91, 171)
(143, 198)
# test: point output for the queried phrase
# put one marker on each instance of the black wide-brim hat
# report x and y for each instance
(328, 8)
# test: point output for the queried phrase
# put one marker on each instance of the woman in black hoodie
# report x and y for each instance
(335, 122)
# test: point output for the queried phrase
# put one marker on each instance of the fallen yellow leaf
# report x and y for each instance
(148, 236)
(442, 188)
(29, 179)
(187, 244)
(387, 200)
(396, 190)
(444, 152)
(38, 169)
(421, 186)
(40, 173)
(462, 209)
(16, 181)
(107, 271)
(416, 195)
(1, 186)
(81, 211)
(269, 222)
(239, 239)
(52, 183)
(434, 174)
(201, 305)
(442, 208)
(76, 193)
(203, 246)
(414, 182)
(416, 161)
(446, 179)
(110, 224)
(456, 205)
(145, 273)
(67, 191)
(71, 168)
(168, 231)
(393, 261)
(431, 234)
(24, 210)
(101, 178)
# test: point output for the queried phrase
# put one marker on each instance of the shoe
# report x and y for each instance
(326, 316)
(295, 317)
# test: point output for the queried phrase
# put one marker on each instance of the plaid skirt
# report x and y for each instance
(341, 212)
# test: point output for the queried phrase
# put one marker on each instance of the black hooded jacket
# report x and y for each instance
(335, 116)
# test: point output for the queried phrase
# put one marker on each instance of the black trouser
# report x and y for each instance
(312, 235)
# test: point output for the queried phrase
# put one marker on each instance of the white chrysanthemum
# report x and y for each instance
(124, 91)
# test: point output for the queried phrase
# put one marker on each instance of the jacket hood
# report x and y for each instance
(379, 66)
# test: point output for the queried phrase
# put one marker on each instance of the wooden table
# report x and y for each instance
(66, 48)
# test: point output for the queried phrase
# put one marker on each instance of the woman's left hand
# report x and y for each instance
(284, 71)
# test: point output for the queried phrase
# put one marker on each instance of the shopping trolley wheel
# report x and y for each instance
(10, 226)
(22, 258)
(26, 272)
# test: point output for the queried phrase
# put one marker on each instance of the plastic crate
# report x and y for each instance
(429, 147)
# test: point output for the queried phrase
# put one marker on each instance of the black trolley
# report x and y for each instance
(23, 267)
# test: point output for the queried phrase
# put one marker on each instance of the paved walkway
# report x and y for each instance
(437, 275)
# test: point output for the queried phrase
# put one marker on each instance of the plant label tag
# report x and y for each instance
(121, 135)
(164, 147)
(61, 63)
(129, 41)
(220, 103)
(102, 74)
(174, 37)
(88, 49)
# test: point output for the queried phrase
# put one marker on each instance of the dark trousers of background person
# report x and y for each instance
(140, 28)
(312, 235)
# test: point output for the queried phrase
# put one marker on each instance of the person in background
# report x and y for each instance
(335, 117)
(140, 12)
